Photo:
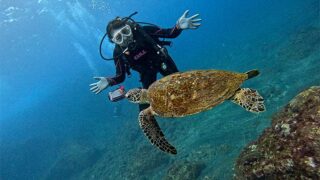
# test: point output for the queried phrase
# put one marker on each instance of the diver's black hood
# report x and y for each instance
(114, 24)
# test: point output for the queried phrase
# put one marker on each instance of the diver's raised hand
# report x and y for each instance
(100, 85)
(188, 23)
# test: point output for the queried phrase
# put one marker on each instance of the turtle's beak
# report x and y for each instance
(130, 97)
(127, 95)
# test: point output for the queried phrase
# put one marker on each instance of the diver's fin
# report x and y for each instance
(152, 130)
(249, 99)
(253, 73)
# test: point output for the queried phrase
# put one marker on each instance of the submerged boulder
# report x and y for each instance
(301, 45)
(141, 165)
(75, 159)
(184, 170)
(290, 148)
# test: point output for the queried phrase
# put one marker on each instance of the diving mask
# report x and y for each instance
(122, 36)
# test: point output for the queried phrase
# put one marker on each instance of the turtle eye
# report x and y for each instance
(128, 95)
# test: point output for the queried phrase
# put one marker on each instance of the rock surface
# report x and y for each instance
(301, 45)
(185, 171)
(74, 160)
(290, 149)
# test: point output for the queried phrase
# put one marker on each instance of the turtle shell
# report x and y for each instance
(191, 92)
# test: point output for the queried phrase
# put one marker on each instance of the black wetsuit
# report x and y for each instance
(144, 59)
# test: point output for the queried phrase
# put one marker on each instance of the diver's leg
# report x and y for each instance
(170, 67)
(147, 79)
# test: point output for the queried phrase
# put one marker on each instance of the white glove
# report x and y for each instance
(100, 85)
(188, 23)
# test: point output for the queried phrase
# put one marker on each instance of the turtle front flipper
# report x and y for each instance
(152, 130)
(249, 99)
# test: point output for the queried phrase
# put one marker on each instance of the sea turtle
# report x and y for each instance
(191, 92)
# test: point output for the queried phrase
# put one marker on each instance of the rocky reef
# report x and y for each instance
(290, 148)
(185, 170)
(301, 45)
(76, 158)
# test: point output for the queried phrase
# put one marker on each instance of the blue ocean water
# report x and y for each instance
(53, 127)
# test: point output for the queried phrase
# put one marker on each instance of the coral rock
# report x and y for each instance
(290, 149)
(184, 170)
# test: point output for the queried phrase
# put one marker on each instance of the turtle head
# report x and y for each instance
(137, 95)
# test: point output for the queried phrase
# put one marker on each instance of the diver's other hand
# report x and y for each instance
(188, 23)
(100, 85)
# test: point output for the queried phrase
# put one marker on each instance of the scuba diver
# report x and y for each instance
(140, 48)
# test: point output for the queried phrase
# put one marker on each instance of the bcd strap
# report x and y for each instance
(127, 66)
(150, 40)
(165, 43)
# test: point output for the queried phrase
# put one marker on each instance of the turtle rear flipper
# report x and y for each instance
(152, 130)
(249, 99)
